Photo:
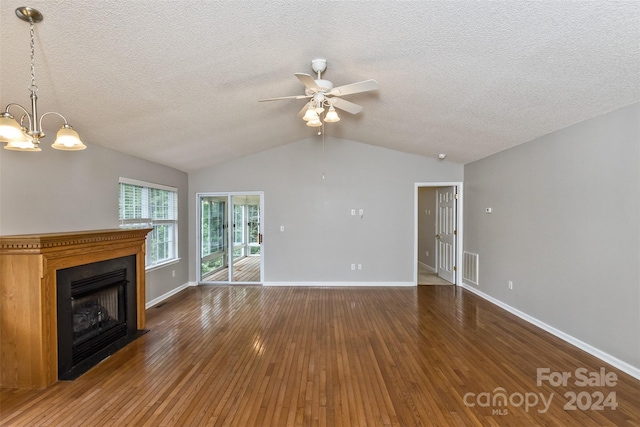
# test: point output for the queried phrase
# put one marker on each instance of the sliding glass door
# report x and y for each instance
(214, 248)
(230, 238)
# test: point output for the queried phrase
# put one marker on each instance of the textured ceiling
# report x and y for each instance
(178, 82)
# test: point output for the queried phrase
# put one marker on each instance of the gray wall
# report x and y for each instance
(55, 191)
(427, 226)
(321, 238)
(565, 229)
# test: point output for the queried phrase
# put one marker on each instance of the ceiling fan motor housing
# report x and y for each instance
(324, 85)
(319, 65)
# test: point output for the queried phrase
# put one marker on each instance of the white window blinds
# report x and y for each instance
(144, 204)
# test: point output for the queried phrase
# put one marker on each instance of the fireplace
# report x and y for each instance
(96, 313)
(102, 284)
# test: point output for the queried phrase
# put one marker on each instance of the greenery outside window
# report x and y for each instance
(144, 204)
(213, 234)
(238, 231)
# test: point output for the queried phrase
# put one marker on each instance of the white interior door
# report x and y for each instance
(446, 233)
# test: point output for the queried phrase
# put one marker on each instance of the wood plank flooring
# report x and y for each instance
(296, 356)
(246, 269)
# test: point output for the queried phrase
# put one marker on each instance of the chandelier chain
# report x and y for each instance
(15, 133)
(33, 87)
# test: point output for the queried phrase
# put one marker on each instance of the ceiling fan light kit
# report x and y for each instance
(311, 113)
(16, 135)
(314, 123)
(331, 116)
(324, 97)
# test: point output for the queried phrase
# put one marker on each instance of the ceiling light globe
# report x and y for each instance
(9, 128)
(332, 116)
(310, 115)
(314, 123)
(68, 139)
(23, 143)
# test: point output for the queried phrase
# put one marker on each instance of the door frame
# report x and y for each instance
(458, 185)
(229, 195)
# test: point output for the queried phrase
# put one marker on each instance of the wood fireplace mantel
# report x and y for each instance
(28, 318)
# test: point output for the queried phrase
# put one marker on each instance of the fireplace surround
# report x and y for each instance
(29, 274)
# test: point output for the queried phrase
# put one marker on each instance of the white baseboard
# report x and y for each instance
(339, 284)
(605, 357)
(428, 267)
(168, 294)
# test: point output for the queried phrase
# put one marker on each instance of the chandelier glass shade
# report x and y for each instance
(25, 135)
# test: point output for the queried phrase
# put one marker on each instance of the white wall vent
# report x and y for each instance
(470, 268)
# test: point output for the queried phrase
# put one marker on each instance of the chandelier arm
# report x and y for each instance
(26, 113)
(66, 124)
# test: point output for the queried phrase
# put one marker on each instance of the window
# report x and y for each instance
(144, 204)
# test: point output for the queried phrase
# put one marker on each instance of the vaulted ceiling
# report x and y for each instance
(178, 82)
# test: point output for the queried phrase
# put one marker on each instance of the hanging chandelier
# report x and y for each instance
(16, 134)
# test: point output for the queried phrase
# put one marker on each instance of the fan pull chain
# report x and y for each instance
(322, 164)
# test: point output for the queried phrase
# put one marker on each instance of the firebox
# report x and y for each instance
(96, 313)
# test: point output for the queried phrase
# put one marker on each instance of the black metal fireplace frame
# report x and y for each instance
(74, 282)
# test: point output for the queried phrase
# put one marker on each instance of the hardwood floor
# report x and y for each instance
(246, 269)
(293, 356)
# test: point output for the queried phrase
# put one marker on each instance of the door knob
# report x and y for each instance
(438, 236)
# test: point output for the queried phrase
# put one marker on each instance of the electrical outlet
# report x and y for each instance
(353, 266)
(353, 212)
(510, 285)
(173, 273)
(426, 253)
(359, 266)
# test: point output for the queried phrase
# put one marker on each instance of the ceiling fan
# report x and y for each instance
(322, 94)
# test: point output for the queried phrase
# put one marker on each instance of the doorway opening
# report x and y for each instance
(230, 249)
(438, 233)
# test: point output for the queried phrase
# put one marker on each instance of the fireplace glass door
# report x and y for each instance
(96, 312)
(98, 315)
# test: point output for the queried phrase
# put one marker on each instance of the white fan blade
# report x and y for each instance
(307, 81)
(304, 110)
(347, 106)
(285, 97)
(363, 86)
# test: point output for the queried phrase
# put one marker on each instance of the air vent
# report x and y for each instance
(470, 270)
